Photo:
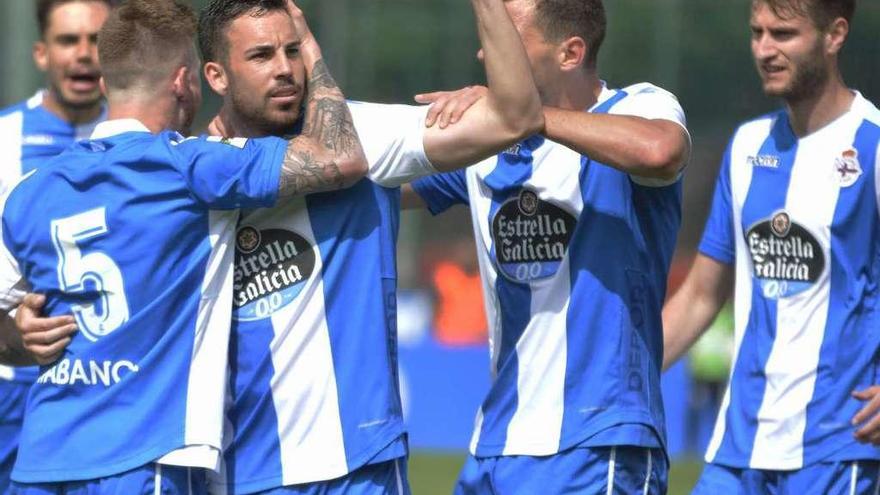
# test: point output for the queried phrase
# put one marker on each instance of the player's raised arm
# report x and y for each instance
(327, 154)
(510, 111)
(653, 148)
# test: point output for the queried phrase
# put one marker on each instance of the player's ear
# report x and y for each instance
(215, 74)
(572, 53)
(836, 35)
(41, 55)
(181, 83)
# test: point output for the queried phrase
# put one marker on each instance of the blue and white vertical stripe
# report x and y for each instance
(800, 351)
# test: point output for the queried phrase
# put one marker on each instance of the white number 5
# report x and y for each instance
(76, 269)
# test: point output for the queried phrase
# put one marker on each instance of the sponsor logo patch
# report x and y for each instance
(37, 140)
(531, 237)
(786, 258)
(271, 268)
(764, 161)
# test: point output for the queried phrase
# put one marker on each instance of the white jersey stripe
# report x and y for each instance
(744, 144)
(648, 473)
(206, 391)
(11, 132)
(157, 479)
(801, 319)
(304, 385)
(542, 352)
(488, 277)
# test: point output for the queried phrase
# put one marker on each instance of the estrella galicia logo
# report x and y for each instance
(531, 237)
(787, 259)
(271, 268)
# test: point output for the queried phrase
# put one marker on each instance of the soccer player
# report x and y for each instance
(316, 408)
(575, 231)
(39, 128)
(794, 223)
(127, 231)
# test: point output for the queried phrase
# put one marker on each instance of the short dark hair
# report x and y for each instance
(219, 14)
(562, 19)
(142, 38)
(821, 12)
(45, 7)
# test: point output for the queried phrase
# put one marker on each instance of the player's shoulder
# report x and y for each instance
(646, 89)
(761, 126)
(869, 110)
(380, 113)
(22, 107)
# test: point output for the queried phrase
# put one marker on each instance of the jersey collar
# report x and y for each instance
(112, 128)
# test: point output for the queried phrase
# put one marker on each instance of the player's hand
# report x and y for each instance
(44, 338)
(447, 107)
(308, 44)
(867, 418)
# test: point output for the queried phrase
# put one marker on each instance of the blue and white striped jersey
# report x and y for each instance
(119, 231)
(30, 135)
(573, 256)
(799, 220)
(313, 355)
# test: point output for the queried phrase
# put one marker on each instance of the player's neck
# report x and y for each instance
(577, 91)
(808, 115)
(74, 116)
(155, 114)
(228, 124)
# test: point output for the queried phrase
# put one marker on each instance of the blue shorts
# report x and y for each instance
(152, 479)
(13, 397)
(827, 478)
(619, 470)
(383, 478)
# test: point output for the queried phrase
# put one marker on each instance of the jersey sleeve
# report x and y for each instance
(232, 173)
(392, 137)
(719, 241)
(443, 191)
(650, 102)
(13, 285)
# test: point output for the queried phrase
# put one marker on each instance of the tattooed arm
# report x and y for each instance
(327, 155)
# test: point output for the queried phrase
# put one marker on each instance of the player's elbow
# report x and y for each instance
(663, 158)
(522, 120)
(352, 169)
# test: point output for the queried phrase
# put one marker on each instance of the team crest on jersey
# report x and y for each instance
(847, 167)
(271, 268)
(786, 258)
(237, 142)
(514, 149)
(531, 237)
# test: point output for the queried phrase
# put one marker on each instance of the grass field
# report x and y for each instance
(434, 474)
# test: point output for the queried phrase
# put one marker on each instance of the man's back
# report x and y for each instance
(30, 134)
(118, 231)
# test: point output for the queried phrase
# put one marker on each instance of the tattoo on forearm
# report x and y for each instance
(334, 128)
(321, 77)
(302, 174)
(327, 118)
(328, 130)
